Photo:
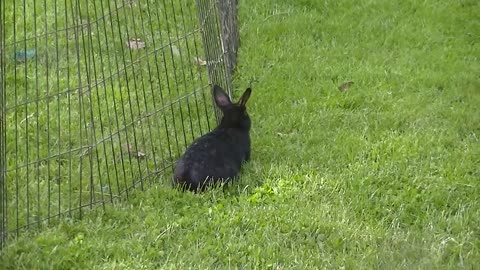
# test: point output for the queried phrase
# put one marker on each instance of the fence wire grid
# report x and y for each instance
(98, 98)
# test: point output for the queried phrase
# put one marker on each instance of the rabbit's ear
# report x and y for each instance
(221, 98)
(245, 96)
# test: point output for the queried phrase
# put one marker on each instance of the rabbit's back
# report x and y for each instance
(216, 156)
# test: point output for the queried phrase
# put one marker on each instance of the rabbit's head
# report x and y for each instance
(234, 114)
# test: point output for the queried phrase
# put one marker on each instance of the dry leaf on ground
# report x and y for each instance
(199, 61)
(345, 86)
(136, 44)
(175, 50)
(130, 3)
(133, 152)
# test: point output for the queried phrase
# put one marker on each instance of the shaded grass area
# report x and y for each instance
(383, 176)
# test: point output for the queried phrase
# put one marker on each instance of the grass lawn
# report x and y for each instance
(384, 175)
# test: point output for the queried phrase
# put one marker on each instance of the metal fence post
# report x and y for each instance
(229, 34)
(3, 202)
(217, 20)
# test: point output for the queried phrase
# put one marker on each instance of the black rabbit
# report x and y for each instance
(217, 156)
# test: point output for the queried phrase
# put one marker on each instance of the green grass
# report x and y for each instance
(382, 176)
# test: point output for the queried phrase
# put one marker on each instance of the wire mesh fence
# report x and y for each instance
(101, 97)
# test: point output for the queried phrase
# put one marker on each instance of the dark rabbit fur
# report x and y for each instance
(216, 157)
